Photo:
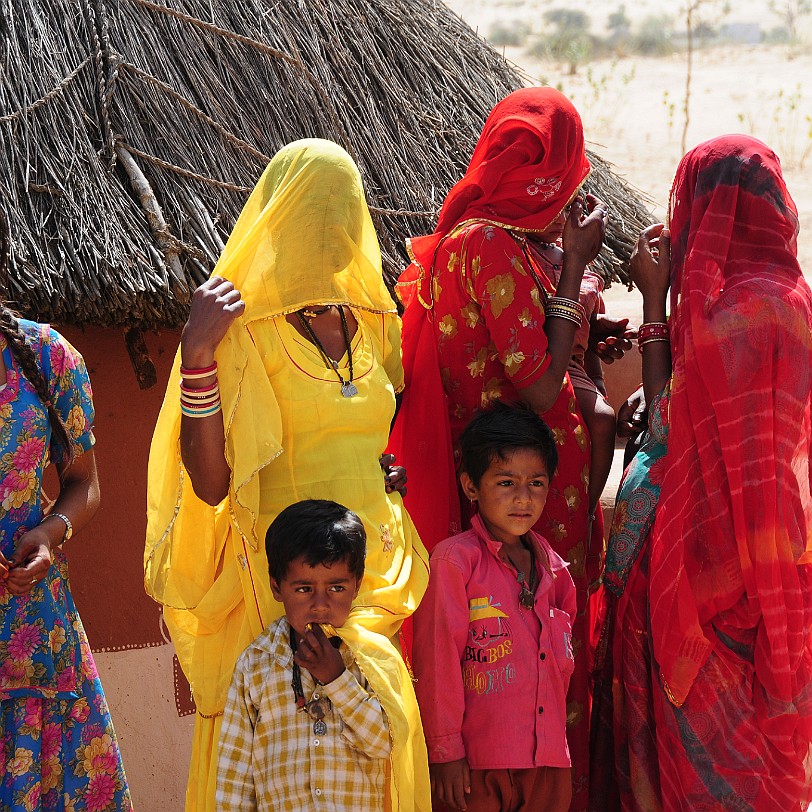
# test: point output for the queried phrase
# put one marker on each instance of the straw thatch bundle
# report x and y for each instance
(132, 131)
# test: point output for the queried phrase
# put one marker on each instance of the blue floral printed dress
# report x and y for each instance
(58, 749)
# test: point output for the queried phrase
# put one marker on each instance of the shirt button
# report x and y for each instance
(542, 656)
(541, 710)
(315, 696)
(318, 792)
(316, 742)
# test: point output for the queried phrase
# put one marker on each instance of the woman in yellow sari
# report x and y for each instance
(283, 389)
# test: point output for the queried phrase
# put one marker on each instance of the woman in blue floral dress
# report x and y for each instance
(58, 750)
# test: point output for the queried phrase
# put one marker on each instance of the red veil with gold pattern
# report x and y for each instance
(477, 272)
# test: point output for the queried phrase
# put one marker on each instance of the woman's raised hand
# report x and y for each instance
(650, 264)
(585, 229)
(216, 304)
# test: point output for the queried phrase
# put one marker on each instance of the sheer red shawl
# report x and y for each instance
(528, 164)
(731, 545)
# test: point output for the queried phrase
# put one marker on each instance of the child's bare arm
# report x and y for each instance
(594, 368)
(451, 782)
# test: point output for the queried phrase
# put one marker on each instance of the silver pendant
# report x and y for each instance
(319, 727)
(349, 389)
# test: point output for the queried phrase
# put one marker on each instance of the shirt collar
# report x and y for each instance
(556, 561)
(276, 642)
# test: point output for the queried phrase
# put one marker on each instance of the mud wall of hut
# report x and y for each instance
(148, 698)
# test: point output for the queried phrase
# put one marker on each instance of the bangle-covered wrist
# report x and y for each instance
(564, 308)
(199, 391)
(651, 332)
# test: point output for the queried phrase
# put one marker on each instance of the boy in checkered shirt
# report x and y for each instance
(302, 729)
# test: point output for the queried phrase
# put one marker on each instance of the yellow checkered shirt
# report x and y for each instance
(269, 756)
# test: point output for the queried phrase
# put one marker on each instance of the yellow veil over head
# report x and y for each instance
(309, 215)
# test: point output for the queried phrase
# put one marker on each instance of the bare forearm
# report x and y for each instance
(78, 498)
(202, 449)
(572, 273)
(215, 306)
(650, 269)
(202, 439)
(593, 366)
(656, 354)
(541, 395)
(582, 239)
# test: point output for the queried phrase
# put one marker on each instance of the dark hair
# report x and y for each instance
(25, 356)
(499, 431)
(320, 532)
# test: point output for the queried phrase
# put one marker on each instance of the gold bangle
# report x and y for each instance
(574, 319)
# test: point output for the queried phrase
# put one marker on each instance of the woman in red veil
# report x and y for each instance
(703, 697)
(483, 322)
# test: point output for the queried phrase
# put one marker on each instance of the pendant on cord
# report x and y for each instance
(317, 709)
(348, 388)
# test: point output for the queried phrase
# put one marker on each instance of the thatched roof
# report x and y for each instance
(132, 131)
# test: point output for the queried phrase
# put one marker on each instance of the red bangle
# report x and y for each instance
(193, 392)
(203, 372)
(652, 329)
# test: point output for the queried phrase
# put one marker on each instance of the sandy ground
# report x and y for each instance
(628, 116)
(482, 14)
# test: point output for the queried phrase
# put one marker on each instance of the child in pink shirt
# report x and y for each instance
(492, 638)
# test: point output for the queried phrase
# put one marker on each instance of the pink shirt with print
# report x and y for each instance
(492, 676)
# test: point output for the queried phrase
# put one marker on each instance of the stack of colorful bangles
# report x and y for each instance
(560, 308)
(652, 331)
(200, 402)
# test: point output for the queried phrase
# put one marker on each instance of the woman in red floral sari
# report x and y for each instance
(483, 311)
(703, 697)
